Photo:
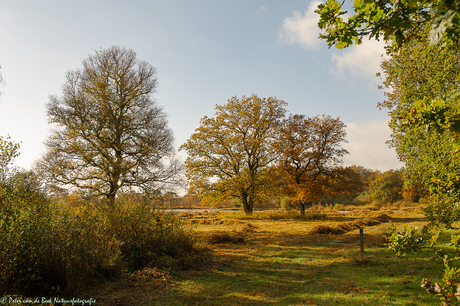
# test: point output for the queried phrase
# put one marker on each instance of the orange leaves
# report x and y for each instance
(310, 150)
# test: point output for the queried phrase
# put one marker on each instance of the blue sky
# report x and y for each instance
(205, 52)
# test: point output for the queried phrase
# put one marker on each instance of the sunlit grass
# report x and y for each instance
(279, 263)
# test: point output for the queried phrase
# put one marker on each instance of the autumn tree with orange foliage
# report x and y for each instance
(231, 155)
(310, 157)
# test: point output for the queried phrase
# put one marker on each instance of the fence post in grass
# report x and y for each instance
(361, 240)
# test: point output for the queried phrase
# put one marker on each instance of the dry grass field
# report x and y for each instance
(281, 258)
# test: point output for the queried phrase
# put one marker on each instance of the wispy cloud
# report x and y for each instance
(301, 28)
(367, 147)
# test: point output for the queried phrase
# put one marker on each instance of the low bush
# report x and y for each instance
(151, 238)
(48, 247)
(377, 205)
(54, 247)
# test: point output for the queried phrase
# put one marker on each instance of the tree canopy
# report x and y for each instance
(396, 21)
(230, 154)
(110, 133)
(310, 150)
(422, 72)
(249, 151)
(387, 186)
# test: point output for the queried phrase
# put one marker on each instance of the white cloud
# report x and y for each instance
(359, 60)
(356, 61)
(301, 29)
(367, 147)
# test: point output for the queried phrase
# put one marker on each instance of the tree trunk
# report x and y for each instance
(111, 205)
(251, 204)
(247, 202)
(111, 196)
(115, 178)
(111, 199)
(302, 208)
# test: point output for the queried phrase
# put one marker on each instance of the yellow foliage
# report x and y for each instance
(230, 155)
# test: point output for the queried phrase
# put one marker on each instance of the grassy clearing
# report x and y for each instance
(279, 262)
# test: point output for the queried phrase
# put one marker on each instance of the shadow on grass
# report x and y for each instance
(317, 272)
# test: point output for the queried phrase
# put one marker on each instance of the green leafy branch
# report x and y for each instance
(404, 242)
(395, 20)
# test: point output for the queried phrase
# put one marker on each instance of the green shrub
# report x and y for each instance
(442, 211)
(149, 237)
(403, 242)
(51, 247)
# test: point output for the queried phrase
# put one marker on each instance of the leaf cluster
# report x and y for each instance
(394, 21)
(403, 242)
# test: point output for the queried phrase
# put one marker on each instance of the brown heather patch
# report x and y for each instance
(345, 227)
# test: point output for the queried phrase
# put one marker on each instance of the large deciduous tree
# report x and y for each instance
(425, 73)
(433, 153)
(310, 150)
(110, 134)
(230, 154)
